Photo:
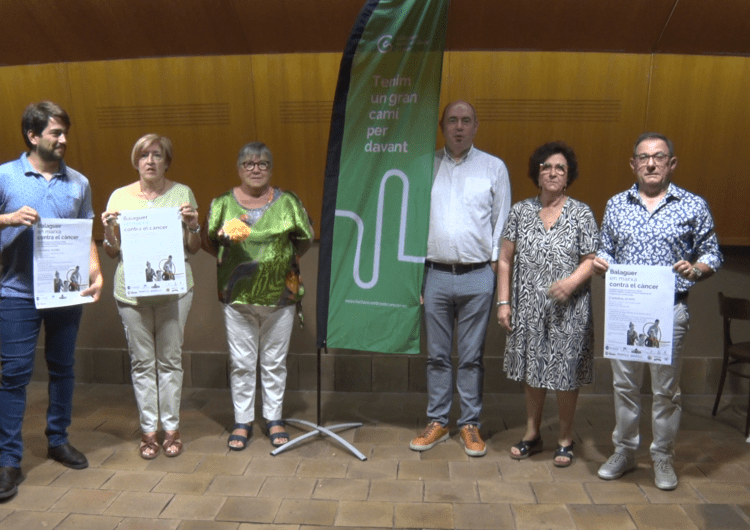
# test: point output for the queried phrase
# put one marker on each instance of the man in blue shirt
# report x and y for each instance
(655, 223)
(38, 185)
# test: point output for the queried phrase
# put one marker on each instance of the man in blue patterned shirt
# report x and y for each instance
(655, 223)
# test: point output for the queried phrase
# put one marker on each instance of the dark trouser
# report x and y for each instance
(20, 323)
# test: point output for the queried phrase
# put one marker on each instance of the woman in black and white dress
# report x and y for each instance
(548, 247)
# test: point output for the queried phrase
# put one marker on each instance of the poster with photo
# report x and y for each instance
(153, 254)
(639, 313)
(62, 250)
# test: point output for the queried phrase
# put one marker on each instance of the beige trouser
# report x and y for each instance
(155, 334)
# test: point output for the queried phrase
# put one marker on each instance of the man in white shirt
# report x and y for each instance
(470, 201)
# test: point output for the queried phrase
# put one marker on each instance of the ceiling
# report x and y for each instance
(50, 31)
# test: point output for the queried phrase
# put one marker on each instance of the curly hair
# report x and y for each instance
(545, 151)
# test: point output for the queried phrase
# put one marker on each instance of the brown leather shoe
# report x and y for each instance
(473, 444)
(433, 434)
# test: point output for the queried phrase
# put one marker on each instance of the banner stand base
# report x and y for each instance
(319, 429)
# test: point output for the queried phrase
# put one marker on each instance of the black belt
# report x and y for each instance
(456, 268)
(680, 297)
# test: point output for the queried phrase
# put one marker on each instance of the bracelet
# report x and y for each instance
(197, 230)
(502, 302)
(108, 244)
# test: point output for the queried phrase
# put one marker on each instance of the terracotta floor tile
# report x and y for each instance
(716, 517)
(474, 469)
(492, 492)
(683, 494)
(723, 493)
(463, 491)
(396, 490)
(22, 519)
(234, 486)
(138, 504)
(193, 507)
(615, 492)
(664, 517)
(84, 501)
(184, 483)
(418, 515)
(322, 469)
(185, 463)
(321, 486)
(313, 512)
(433, 470)
(243, 509)
(271, 466)
(525, 470)
(560, 493)
(340, 489)
(90, 478)
(548, 516)
(365, 514)
(220, 465)
(148, 524)
(482, 516)
(378, 470)
(601, 516)
(88, 522)
(399, 452)
(287, 488)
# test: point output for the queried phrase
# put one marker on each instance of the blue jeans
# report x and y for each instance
(20, 323)
(464, 300)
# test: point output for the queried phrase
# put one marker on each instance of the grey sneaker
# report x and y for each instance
(664, 476)
(617, 465)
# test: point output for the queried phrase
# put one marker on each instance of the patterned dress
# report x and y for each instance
(551, 345)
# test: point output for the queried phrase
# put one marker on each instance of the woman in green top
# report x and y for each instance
(154, 325)
(257, 233)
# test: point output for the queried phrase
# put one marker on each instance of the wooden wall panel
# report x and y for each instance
(702, 104)
(594, 102)
(293, 101)
(203, 104)
(211, 106)
(21, 85)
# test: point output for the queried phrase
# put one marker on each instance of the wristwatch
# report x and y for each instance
(698, 273)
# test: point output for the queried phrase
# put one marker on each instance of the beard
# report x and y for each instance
(55, 154)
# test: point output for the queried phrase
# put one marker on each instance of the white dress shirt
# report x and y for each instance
(470, 201)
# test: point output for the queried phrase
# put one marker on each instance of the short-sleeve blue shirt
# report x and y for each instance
(66, 196)
(680, 227)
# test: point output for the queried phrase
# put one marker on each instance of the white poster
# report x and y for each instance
(638, 313)
(153, 255)
(62, 250)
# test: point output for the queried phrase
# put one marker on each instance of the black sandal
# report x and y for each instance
(275, 436)
(527, 448)
(238, 437)
(564, 452)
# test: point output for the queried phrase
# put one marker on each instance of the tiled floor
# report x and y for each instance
(319, 485)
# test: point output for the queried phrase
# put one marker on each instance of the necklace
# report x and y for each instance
(151, 195)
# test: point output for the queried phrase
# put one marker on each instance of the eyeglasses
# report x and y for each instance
(560, 169)
(659, 158)
(249, 165)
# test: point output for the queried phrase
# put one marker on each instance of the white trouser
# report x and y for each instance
(665, 386)
(258, 334)
(155, 334)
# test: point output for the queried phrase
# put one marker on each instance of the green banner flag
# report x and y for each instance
(386, 167)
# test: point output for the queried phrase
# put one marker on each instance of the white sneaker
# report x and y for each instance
(617, 465)
(664, 476)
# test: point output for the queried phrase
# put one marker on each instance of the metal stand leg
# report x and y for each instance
(319, 429)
